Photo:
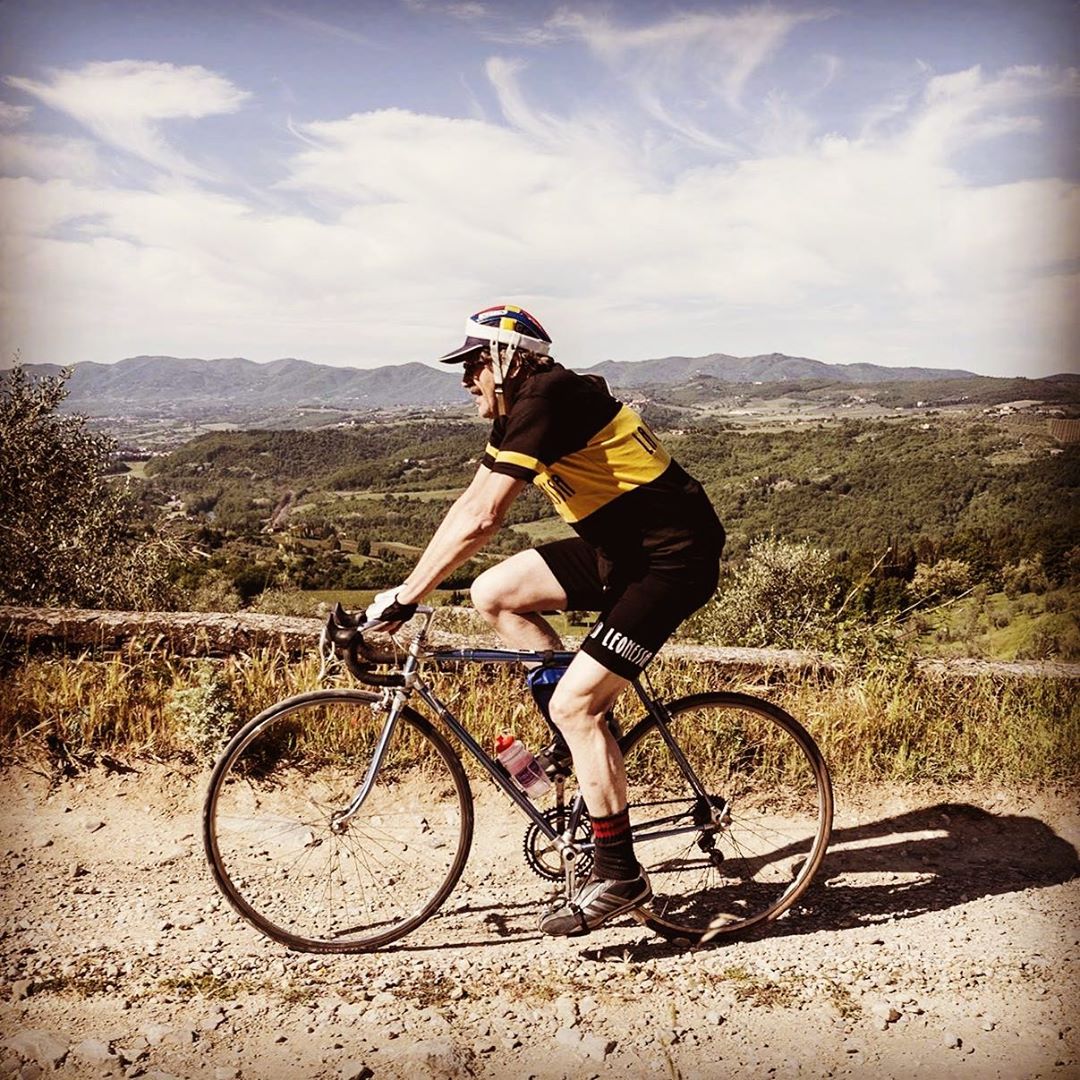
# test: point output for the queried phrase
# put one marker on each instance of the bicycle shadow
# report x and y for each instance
(910, 864)
(931, 859)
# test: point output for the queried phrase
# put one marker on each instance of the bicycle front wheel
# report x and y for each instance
(744, 851)
(287, 863)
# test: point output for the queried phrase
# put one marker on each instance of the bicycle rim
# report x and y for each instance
(751, 849)
(267, 823)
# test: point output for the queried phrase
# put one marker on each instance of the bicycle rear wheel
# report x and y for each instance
(268, 819)
(746, 852)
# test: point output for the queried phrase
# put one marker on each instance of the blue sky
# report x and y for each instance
(345, 182)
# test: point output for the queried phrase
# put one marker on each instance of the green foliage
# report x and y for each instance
(67, 532)
(782, 595)
(857, 486)
(1026, 575)
(203, 716)
(946, 578)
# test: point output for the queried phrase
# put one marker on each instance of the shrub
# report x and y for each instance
(783, 594)
(946, 578)
(1027, 575)
(202, 716)
(67, 534)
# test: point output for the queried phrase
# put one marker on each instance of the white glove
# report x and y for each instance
(381, 602)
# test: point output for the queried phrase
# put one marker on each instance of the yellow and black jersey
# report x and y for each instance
(605, 472)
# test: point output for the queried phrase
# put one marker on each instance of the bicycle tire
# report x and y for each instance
(274, 856)
(762, 765)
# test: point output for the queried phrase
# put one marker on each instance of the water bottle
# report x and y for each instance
(526, 771)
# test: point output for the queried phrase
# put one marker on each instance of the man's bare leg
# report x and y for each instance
(510, 596)
(578, 707)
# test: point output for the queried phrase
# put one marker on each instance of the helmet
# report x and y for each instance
(506, 325)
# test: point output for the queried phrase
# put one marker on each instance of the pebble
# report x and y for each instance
(952, 1041)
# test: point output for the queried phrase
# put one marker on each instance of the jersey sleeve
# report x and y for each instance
(522, 448)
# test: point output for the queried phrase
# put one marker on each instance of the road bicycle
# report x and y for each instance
(340, 820)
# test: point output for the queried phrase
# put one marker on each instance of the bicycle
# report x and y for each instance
(731, 805)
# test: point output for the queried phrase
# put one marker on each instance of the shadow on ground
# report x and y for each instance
(910, 864)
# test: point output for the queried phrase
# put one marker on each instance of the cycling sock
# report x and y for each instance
(615, 859)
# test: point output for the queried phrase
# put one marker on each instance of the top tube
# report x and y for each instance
(500, 656)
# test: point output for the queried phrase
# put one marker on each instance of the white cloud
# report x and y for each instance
(11, 116)
(865, 246)
(716, 52)
(964, 107)
(50, 156)
(125, 102)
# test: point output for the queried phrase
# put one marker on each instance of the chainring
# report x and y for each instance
(543, 857)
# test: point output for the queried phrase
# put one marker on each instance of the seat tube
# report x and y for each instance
(660, 715)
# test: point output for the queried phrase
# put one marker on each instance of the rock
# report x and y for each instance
(568, 1037)
(595, 1048)
(356, 1070)
(31, 1071)
(93, 825)
(133, 1051)
(224, 1072)
(44, 1048)
(213, 1019)
(172, 855)
(566, 1011)
(713, 1017)
(20, 989)
(179, 1036)
(438, 1059)
(93, 1052)
(952, 1041)
(886, 1012)
(154, 1033)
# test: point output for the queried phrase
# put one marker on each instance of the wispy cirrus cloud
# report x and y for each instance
(11, 116)
(969, 106)
(711, 52)
(125, 103)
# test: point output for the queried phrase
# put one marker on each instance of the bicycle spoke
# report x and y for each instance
(375, 876)
(757, 765)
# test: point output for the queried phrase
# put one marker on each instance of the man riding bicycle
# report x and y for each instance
(646, 556)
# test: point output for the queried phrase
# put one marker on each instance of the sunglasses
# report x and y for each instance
(473, 366)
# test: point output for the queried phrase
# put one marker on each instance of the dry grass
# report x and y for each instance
(884, 723)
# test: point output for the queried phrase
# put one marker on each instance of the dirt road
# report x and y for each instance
(941, 939)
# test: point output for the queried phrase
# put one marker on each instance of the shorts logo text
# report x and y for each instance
(622, 646)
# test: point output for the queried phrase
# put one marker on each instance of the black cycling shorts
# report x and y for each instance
(640, 606)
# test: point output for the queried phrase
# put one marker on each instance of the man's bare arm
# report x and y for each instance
(473, 519)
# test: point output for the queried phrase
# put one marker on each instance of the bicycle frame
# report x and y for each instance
(412, 681)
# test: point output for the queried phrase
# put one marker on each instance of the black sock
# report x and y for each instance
(615, 859)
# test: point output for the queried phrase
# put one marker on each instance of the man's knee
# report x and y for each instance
(584, 694)
(487, 595)
(572, 710)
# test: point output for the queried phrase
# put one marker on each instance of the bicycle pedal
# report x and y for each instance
(555, 760)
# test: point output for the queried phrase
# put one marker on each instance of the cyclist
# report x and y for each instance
(646, 556)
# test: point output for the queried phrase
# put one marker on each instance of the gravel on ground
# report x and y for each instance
(940, 939)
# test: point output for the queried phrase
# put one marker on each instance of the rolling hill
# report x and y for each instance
(174, 386)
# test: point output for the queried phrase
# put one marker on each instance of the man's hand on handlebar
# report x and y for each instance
(386, 608)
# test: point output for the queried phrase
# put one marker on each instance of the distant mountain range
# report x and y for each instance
(172, 386)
